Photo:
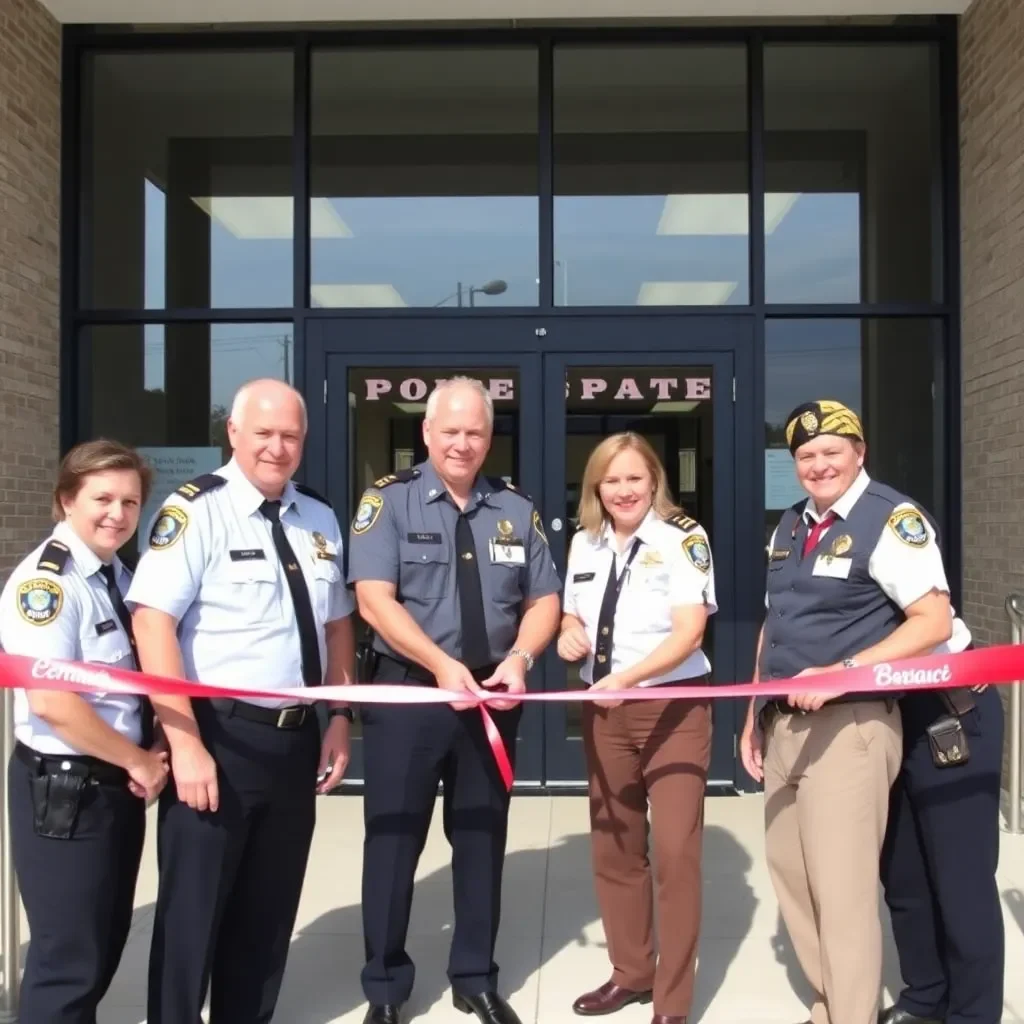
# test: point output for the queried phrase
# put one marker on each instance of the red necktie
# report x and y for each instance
(817, 530)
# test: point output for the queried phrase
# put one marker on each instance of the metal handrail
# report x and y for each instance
(10, 910)
(1015, 613)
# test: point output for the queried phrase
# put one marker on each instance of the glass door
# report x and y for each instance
(682, 402)
(375, 405)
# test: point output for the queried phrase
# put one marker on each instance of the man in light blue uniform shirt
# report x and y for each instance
(241, 585)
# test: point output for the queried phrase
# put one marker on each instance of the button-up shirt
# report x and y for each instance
(212, 566)
(67, 615)
(661, 578)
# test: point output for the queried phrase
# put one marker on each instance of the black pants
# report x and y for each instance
(939, 864)
(230, 881)
(78, 895)
(407, 751)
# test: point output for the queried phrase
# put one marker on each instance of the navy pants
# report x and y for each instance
(407, 751)
(230, 881)
(78, 895)
(939, 864)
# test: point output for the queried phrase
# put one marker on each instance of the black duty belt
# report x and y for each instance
(292, 717)
(419, 674)
(93, 769)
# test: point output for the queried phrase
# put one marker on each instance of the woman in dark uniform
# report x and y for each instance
(81, 773)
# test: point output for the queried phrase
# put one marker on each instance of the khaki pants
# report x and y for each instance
(649, 752)
(827, 779)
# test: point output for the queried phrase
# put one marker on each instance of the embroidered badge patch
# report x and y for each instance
(908, 525)
(169, 526)
(367, 513)
(698, 552)
(40, 601)
(539, 527)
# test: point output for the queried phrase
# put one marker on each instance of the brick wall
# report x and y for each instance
(29, 253)
(992, 211)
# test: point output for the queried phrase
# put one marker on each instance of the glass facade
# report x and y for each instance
(643, 205)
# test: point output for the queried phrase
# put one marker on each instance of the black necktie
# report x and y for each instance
(606, 618)
(476, 651)
(121, 611)
(312, 674)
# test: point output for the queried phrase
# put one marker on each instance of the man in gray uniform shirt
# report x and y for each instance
(453, 573)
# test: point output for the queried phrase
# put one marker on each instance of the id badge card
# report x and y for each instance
(506, 554)
(833, 567)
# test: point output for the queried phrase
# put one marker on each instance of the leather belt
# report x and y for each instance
(292, 717)
(92, 768)
(420, 674)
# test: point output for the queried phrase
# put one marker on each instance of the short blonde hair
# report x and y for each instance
(592, 514)
(98, 456)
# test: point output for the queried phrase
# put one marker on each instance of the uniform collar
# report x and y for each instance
(844, 505)
(246, 497)
(480, 493)
(84, 557)
(644, 532)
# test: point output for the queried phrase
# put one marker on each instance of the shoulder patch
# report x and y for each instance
(54, 557)
(169, 525)
(368, 513)
(403, 476)
(697, 551)
(908, 525)
(310, 493)
(538, 526)
(200, 485)
(682, 522)
(40, 601)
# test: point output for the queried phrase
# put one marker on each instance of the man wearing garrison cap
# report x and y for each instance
(855, 577)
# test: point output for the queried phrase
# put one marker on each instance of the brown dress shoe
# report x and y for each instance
(661, 1018)
(607, 999)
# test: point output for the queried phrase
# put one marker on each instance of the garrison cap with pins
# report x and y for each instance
(812, 419)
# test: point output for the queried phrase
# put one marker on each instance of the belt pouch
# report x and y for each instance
(55, 802)
(948, 742)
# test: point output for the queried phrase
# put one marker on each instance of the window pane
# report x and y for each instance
(851, 211)
(189, 158)
(424, 178)
(651, 199)
(168, 390)
(887, 371)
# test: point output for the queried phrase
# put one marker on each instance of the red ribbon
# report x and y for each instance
(991, 666)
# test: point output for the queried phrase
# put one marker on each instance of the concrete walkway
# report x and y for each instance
(551, 946)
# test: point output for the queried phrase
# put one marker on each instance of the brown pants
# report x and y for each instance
(826, 787)
(652, 752)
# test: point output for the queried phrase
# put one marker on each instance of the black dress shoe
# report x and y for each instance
(386, 1013)
(488, 1006)
(894, 1015)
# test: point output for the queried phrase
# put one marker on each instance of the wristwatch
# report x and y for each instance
(525, 655)
(849, 663)
(344, 712)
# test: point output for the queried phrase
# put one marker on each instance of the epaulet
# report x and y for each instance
(501, 484)
(54, 557)
(310, 493)
(403, 476)
(682, 522)
(200, 485)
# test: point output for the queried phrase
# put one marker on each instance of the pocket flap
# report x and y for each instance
(423, 553)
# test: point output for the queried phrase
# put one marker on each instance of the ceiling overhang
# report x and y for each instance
(212, 12)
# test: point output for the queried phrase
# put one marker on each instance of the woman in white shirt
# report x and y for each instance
(639, 589)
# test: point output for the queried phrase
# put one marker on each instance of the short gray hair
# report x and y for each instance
(242, 398)
(451, 384)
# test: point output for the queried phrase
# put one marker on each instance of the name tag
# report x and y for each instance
(834, 568)
(423, 538)
(583, 577)
(247, 555)
(780, 556)
(512, 553)
(107, 626)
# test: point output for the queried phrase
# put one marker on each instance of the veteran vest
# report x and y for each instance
(821, 619)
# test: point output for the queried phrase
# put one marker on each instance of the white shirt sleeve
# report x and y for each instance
(906, 562)
(569, 606)
(693, 573)
(170, 569)
(40, 616)
(771, 548)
